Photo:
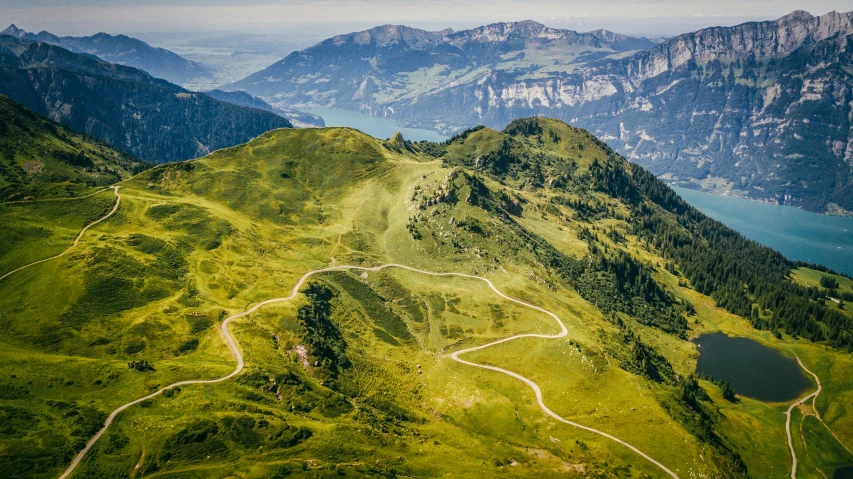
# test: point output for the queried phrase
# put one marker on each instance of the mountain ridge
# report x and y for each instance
(124, 50)
(400, 38)
(122, 106)
(676, 107)
(41, 159)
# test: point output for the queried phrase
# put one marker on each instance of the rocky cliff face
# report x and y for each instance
(761, 110)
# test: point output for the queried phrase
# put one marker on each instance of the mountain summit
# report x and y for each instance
(13, 31)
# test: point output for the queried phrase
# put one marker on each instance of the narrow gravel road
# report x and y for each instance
(788, 418)
(76, 240)
(813, 396)
(234, 348)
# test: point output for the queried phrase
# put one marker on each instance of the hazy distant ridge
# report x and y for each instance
(123, 50)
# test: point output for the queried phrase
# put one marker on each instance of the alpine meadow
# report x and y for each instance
(216, 285)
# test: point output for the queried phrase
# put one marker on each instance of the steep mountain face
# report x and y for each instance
(355, 370)
(41, 159)
(394, 64)
(300, 119)
(123, 50)
(122, 106)
(760, 110)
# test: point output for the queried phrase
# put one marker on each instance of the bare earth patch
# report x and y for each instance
(33, 167)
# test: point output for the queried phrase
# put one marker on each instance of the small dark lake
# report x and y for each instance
(845, 472)
(752, 369)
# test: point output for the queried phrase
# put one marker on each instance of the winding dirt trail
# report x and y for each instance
(788, 418)
(813, 396)
(76, 240)
(817, 413)
(232, 344)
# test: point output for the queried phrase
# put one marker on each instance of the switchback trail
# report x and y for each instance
(455, 356)
(76, 240)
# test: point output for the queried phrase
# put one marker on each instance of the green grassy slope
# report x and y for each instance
(355, 378)
(52, 183)
(40, 159)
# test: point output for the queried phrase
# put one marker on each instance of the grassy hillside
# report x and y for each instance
(52, 183)
(354, 376)
(40, 159)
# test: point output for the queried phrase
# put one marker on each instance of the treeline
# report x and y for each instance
(742, 276)
(321, 336)
(613, 282)
(644, 359)
(701, 420)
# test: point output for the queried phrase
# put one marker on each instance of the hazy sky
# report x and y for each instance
(271, 16)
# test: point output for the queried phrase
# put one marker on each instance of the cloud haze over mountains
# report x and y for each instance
(72, 17)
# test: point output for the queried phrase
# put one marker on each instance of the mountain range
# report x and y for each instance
(125, 107)
(760, 110)
(190, 287)
(123, 50)
(396, 63)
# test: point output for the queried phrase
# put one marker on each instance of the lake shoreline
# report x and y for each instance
(382, 128)
(839, 212)
(753, 369)
(798, 234)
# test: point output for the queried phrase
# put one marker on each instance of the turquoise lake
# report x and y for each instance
(378, 127)
(798, 234)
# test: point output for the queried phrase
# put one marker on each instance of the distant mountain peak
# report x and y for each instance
(830, 21)
(22, 34)
(122, 50)
(529, 23)
(389, 34)
(798, 15)
(388, 27)
(524, 25)
(525, 29)
(13, 31)
(603, 34)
